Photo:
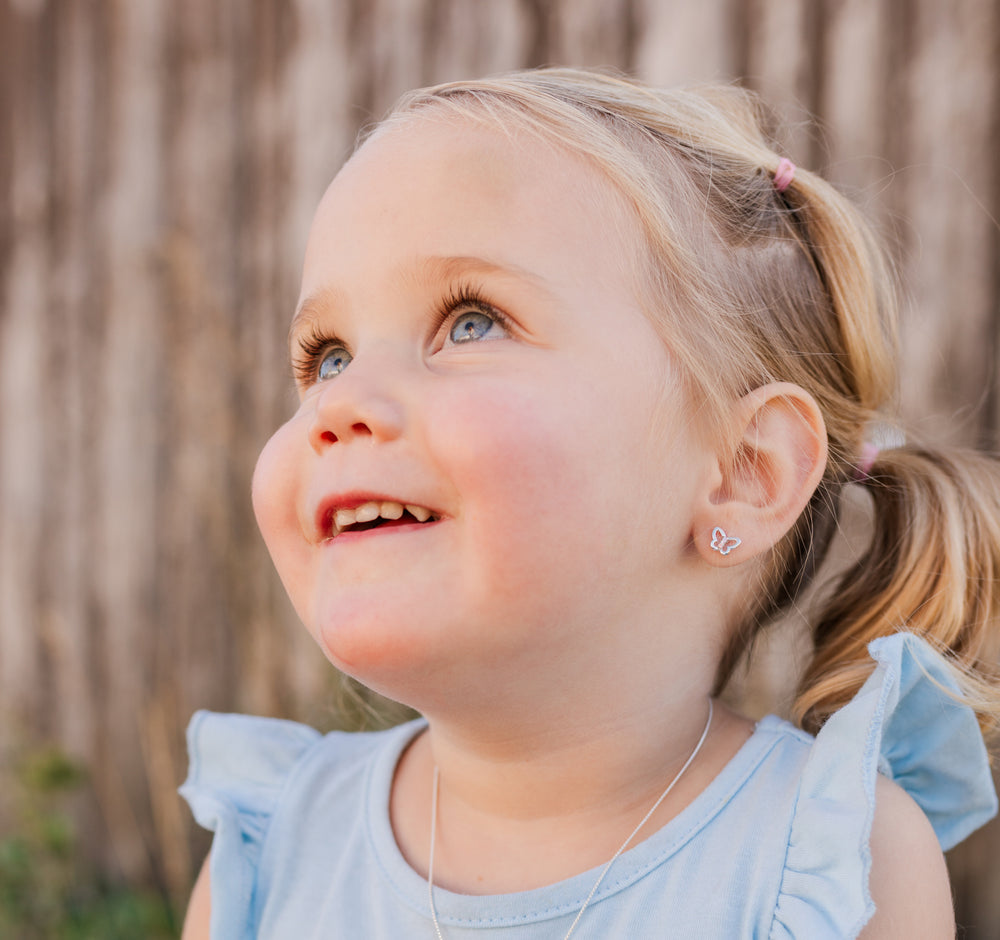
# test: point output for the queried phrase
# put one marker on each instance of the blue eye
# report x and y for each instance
(334, 361)
(472, 325)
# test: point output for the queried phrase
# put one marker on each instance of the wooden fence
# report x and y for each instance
(159, 164)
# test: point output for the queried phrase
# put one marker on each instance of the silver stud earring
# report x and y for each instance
(723, 543)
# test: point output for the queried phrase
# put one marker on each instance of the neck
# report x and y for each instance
(567, 765)
(519, 812)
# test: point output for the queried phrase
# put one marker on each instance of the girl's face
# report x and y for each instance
(468, 342)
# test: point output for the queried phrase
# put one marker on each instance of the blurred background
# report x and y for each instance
(159, 164)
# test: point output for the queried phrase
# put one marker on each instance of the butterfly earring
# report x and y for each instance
(723, 543)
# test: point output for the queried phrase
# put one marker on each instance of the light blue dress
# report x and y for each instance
(776, 846)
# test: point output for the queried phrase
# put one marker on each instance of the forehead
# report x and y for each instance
(440, 186)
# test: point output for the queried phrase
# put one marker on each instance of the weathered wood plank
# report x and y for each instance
(678, 44)
(951, 251)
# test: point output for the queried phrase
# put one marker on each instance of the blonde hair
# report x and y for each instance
(747, 286)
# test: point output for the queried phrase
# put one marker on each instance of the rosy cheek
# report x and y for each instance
(273, 492)
(512, 451)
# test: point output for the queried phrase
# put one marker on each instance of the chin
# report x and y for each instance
(389, 654)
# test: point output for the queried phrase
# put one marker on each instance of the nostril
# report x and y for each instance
(328, 437)
(361, 428)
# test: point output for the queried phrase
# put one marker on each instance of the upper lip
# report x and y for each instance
(326, 513)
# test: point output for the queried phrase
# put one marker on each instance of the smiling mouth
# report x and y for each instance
(376, 514)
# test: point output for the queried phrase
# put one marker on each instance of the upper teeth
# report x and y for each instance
(368, 512)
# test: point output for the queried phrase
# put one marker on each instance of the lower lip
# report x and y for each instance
(394, 526)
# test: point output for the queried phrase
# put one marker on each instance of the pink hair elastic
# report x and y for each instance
(869, 454)
(783, 174)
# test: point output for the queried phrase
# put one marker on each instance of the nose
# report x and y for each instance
(356, 405)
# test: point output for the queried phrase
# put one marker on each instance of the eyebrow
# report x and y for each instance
(429, 268)
(311, 309)
(449, 266)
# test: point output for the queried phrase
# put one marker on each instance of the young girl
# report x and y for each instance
(585, 369)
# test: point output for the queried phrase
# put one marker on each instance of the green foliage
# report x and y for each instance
(46, 892)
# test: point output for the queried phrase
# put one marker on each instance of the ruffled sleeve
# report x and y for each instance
(238, 768)
(904, 724)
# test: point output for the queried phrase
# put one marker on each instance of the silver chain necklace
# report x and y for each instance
(604, 871)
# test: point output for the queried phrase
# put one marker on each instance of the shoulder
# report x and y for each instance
(244, 763)
(895, 776)
(909, 880)
(257, 783)
(239, 765)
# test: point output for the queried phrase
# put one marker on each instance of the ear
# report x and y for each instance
(765, 481)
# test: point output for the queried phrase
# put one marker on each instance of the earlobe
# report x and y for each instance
(767, 475)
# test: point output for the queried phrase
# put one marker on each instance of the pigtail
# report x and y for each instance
(932, 568)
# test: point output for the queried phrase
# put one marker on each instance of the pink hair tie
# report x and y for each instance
(783, 174)
(869, 454)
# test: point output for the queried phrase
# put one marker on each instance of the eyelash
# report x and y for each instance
(309, 354)
(312, 346)
(464, 297)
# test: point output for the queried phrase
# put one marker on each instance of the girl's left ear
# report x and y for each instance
(762, 486)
